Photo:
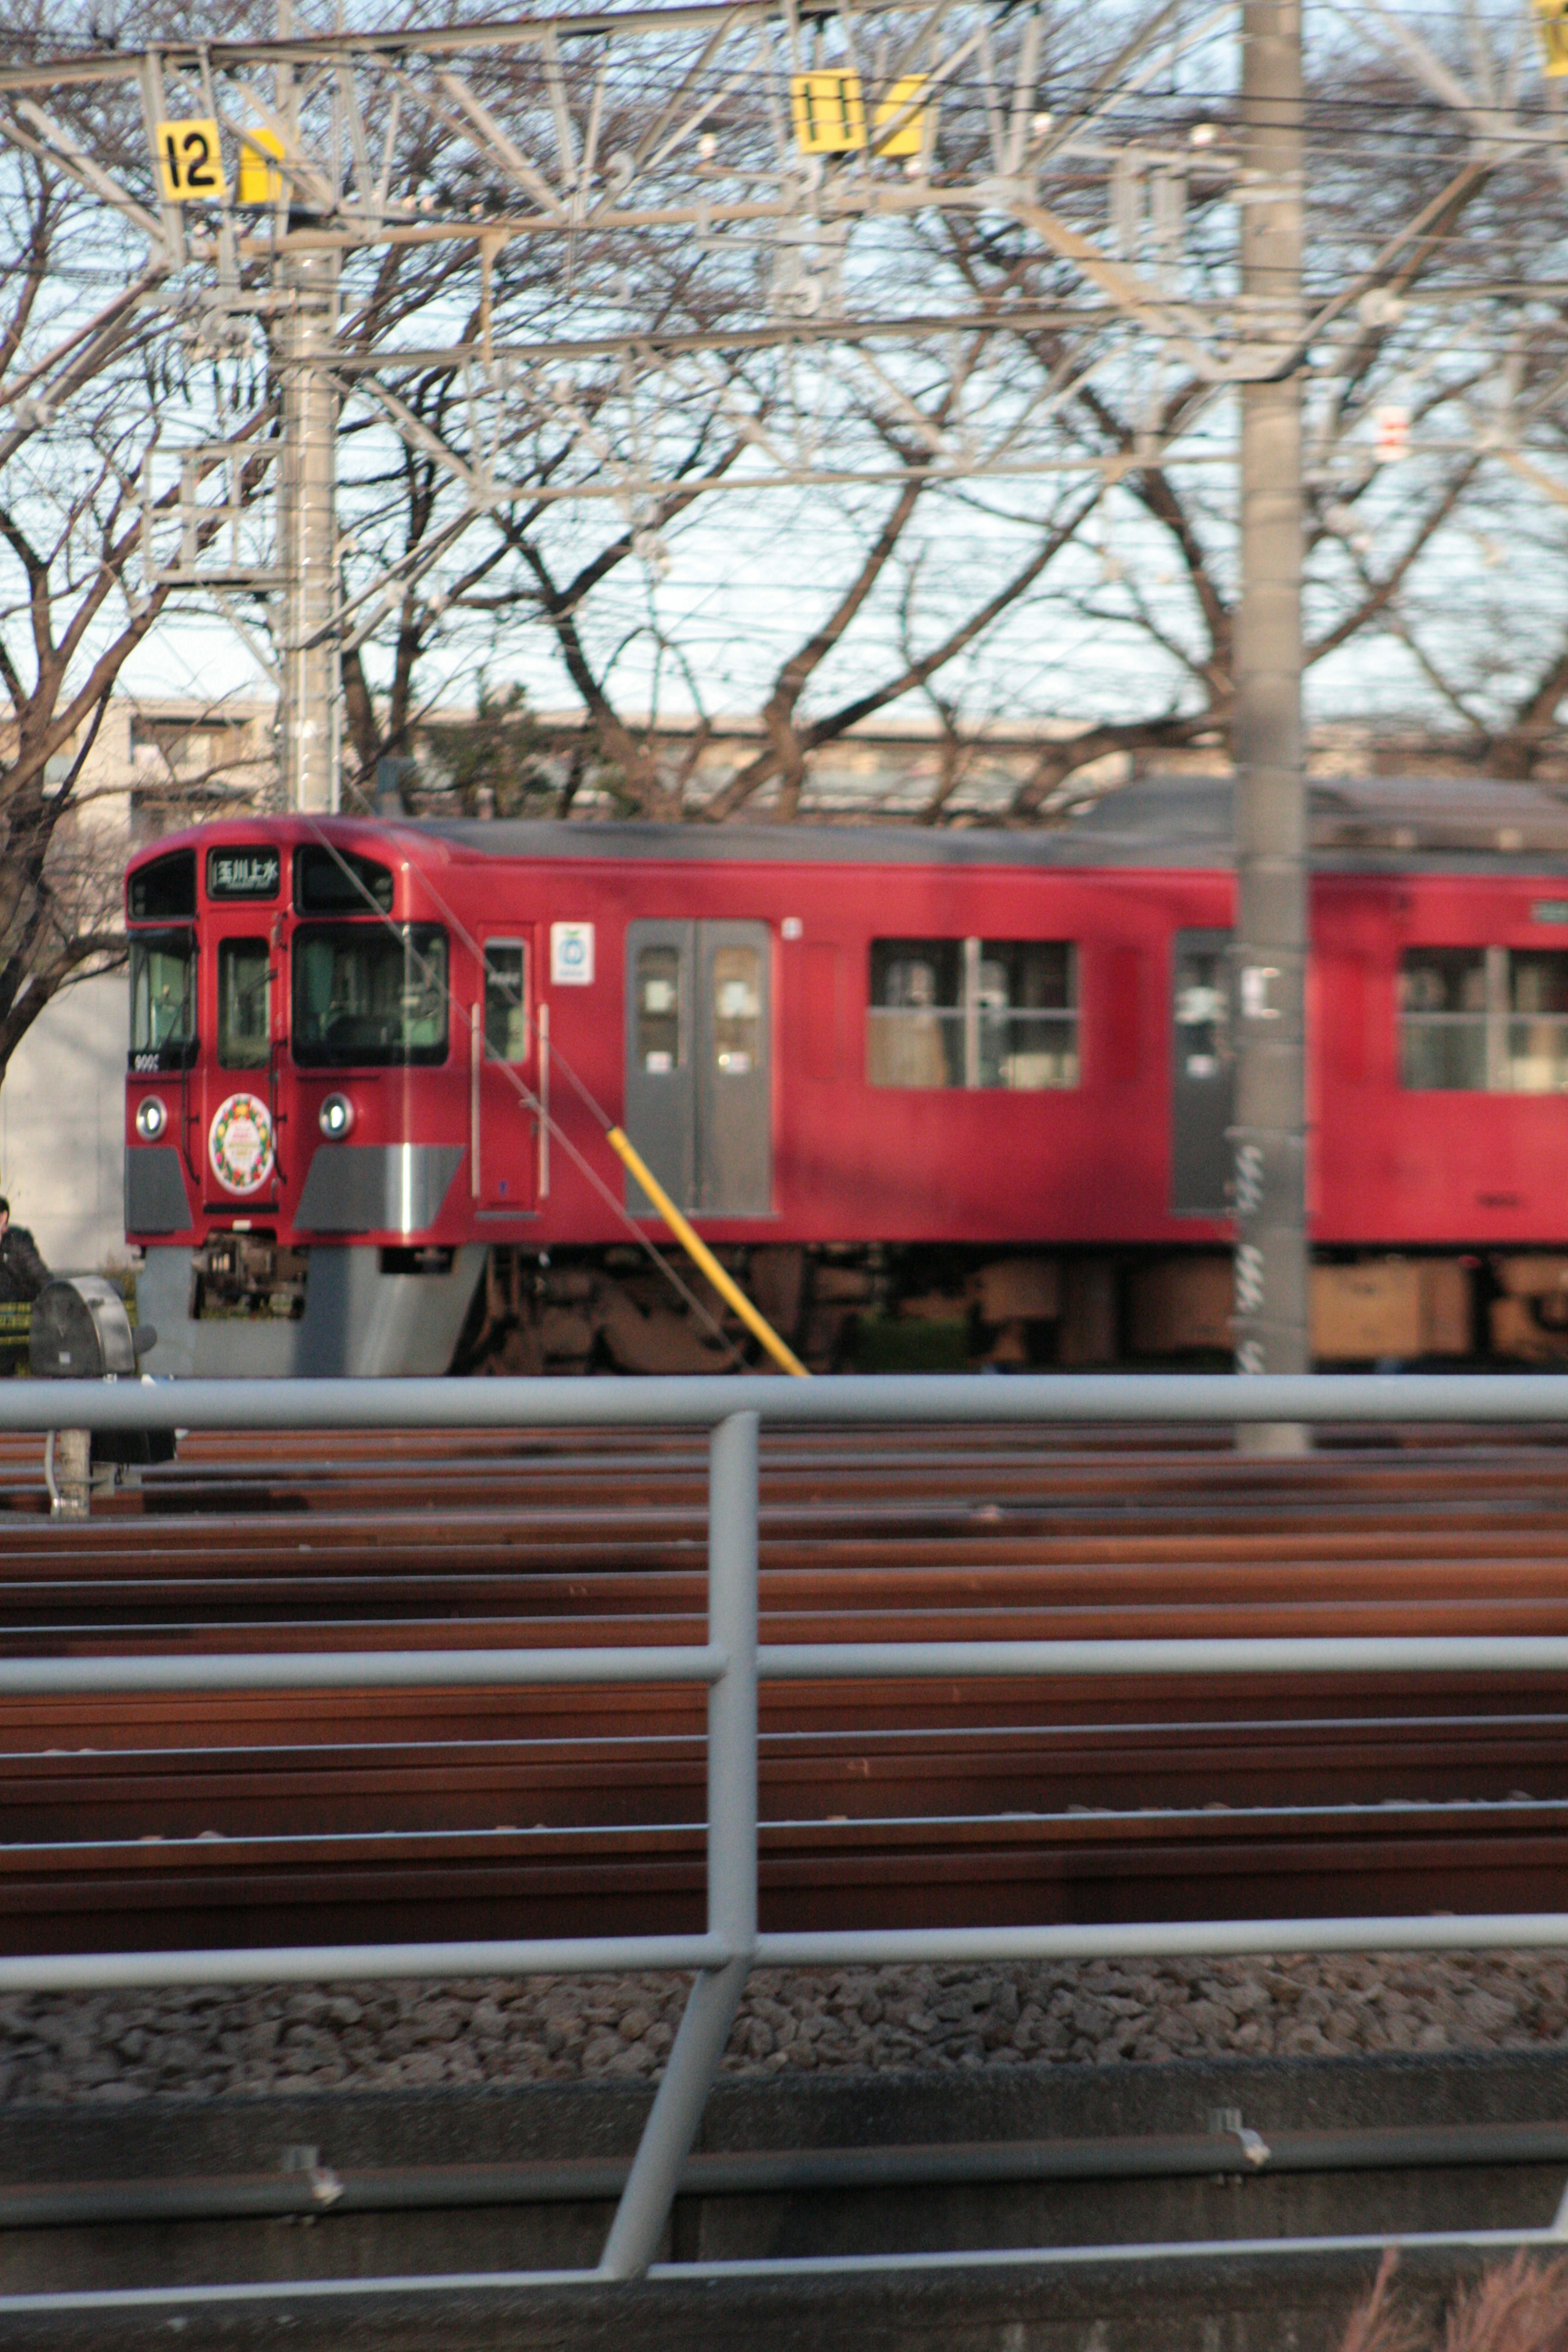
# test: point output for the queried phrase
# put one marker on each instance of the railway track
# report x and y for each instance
(192, 1820)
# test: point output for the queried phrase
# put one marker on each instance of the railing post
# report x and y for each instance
(677, 2111)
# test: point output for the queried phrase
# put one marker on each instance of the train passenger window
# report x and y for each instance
(162, 1000)
(737, 1010)
(1484, 1020)
(915, 1035)
(369, 994)
(506, 1001)
(1026, 995)
(660, 1047)
(339, 882)
(1538, 1023)
(974, 1013)
(244, 1004)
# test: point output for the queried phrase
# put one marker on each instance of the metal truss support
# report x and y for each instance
(1270, 1136)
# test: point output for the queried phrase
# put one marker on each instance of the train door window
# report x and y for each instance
(657, 994)
(243, 1003)
(1202, 1074)
(973, 1013)
(737, 1010)
(162, 1000)
(506, 1001)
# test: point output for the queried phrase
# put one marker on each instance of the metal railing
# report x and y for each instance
(730, 1664)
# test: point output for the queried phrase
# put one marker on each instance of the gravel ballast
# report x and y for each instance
(371, 2037)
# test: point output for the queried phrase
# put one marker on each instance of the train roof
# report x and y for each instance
(1396, 824)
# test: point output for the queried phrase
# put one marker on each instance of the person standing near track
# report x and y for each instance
(23, 1273)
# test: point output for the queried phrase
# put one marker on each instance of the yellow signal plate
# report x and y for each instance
(829, 113)
(260, 183)
(190, 162)
(909, 139)
(1551, 23)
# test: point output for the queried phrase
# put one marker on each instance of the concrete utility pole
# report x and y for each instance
(1269, 1134)
(307, 500)
(307, 527)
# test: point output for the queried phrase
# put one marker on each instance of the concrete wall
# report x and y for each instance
(62, 1113)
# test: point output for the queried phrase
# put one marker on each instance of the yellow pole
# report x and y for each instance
(698, 1249)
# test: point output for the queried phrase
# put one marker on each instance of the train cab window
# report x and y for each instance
(339, 882)
(659, 1046)
(974, 1013)
(163, 891)
(1484, 1020)
(506, 1001)
(244, 1004)
(369, 994)
(162, 1000)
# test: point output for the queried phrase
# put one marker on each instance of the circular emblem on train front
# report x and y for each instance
(239, 1144)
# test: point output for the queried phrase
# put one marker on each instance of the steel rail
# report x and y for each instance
(855, 1399)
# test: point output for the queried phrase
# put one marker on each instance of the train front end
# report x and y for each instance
(297, 1109)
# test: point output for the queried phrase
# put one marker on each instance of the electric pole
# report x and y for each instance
(307, 324)
(1271, 1261)
(307, 530)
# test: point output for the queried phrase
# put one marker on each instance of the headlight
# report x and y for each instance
(336, 1118)
(152, 1119)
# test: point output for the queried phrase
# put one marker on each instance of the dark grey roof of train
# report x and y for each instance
(1392, 823)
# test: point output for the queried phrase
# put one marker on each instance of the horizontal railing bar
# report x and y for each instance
(303, 1670)
(357, 1963)
(467, 2285)
(699, 1402)
(1285, 1653)
(832, 1948)
(1416, 1654)
(1199, 1940)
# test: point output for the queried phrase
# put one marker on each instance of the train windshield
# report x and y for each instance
(162, 1000)
(369, 994)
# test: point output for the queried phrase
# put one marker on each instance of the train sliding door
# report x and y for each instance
(1203, 1075)
(699, 1101)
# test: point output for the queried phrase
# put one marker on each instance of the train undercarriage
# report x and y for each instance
(244, 1305)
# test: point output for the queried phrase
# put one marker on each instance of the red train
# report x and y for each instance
(938, 1096)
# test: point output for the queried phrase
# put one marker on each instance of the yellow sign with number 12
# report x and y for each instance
(190, 162)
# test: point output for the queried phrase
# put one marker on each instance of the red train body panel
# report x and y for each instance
(1053, 1121)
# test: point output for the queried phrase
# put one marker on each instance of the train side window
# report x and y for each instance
(506, 1000)
(915, 1029)
(974, 1013)
(660, 1047)
(244, 1004)
(1484, 1020)
(1443, 1018)
(1027, 996)
(1538, 1021)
